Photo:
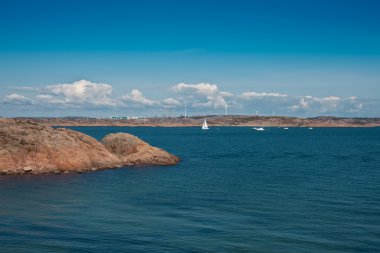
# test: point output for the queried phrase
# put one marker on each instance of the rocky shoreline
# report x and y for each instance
(30, 147)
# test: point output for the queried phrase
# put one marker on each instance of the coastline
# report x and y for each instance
(213, 121)
(29, 147)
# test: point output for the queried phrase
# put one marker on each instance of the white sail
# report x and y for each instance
(204, 126)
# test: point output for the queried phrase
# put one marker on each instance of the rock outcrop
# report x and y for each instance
(28, 147)
(131, 150)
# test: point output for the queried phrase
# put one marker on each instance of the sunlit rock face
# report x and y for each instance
(28, 147)
(131, 150)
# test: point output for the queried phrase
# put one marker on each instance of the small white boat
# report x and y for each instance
(259, 129)
(286, 128)
(204, 126)
(310, 128)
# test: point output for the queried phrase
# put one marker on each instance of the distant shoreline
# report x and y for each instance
(212, 120)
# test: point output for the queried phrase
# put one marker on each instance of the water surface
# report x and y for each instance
(235, 190)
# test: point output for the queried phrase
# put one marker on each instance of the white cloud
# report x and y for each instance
(26, 88)
(328, 103)
(17, 99)
(302, 105)
(49, 99)
(136, 99)
(204, 89)
(204, 94)
(309, 103)
(331, 105)
(78, 93)
(171, 102)
(252, 94)
(226, 94)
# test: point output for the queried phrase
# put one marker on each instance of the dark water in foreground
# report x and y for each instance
(236, 190)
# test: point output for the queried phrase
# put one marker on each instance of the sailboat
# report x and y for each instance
(204, 126)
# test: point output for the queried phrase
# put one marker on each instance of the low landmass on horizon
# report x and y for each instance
(213, 120)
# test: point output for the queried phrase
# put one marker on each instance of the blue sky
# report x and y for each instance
(100, 58)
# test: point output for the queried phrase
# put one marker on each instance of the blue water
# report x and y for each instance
(235, 190)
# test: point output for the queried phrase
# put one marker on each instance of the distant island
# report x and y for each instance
(213, 120)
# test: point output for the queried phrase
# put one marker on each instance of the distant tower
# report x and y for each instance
(170, 110)
(226, 107)
(185, 109)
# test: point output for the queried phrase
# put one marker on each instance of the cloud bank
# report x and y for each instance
(199, 98)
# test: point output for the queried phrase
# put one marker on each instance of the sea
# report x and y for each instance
(235, 190)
